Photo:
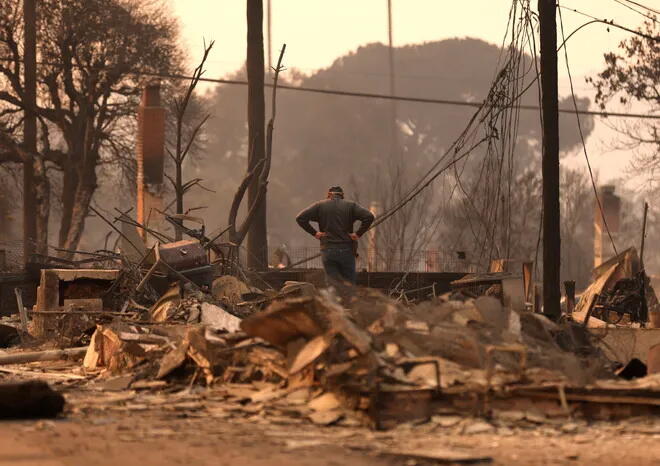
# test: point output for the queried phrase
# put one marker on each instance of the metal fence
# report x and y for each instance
(11, 259)
(11, 256)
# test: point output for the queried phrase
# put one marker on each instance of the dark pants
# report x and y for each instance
(339, 264)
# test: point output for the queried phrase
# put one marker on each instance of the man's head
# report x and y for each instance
(335, 192)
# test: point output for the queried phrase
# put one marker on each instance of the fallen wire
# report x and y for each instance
(491, 112)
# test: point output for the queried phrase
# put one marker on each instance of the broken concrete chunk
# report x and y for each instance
(325, 418)
(326, 402)
(492, 312)
(425, 374)
(440, 455)
(446, 421)
(509, 415)
(219, 319)
(478, 427)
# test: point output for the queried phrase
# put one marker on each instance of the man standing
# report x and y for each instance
(335, 217)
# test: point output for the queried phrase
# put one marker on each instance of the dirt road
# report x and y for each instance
(156, 437)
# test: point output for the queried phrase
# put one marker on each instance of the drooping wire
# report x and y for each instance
(611, 23)
(368, 95)
(584, 146)
(643, 6)
(532, 43)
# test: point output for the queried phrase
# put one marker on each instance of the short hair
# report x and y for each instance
(336, 189)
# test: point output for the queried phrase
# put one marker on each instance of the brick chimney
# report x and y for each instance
(150, 158)
(611, 204)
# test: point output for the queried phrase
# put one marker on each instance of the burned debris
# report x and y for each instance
(178, 324)
(350, 356)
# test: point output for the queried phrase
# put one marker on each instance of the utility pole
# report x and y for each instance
(270, 42)
(29, 126)
(390, 43)
(393, 109)
(550, 163)
(257, 245)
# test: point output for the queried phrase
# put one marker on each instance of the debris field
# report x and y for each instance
(341, 367)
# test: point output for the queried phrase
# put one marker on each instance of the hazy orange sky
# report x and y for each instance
(317, 32)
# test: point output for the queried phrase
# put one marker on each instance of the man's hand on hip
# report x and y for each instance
(354, 237)
(319, 234)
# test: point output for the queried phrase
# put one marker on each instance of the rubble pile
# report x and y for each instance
(369, 361)
(351, 356)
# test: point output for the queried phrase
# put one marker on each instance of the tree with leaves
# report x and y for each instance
(632, 75)
(87, 94)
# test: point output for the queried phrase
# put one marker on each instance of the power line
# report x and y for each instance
(635, 10)
(584, 146)
(613, 24)
(643, 6)
(368, 95)
(460, 103)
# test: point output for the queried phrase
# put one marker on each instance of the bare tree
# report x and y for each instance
(577, 219)
(411, 230)
(259, 174)
(184, 142)
(87, 92)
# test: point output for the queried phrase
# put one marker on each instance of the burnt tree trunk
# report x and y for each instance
(41, 186)
(80, 183)
(257, 245)
(29, 127)
(69, 183)
(82, 199)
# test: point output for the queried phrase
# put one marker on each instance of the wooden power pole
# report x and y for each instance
(550, 164)
(270, 37)
(29, 127)
(257, 245)
(390, 43)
